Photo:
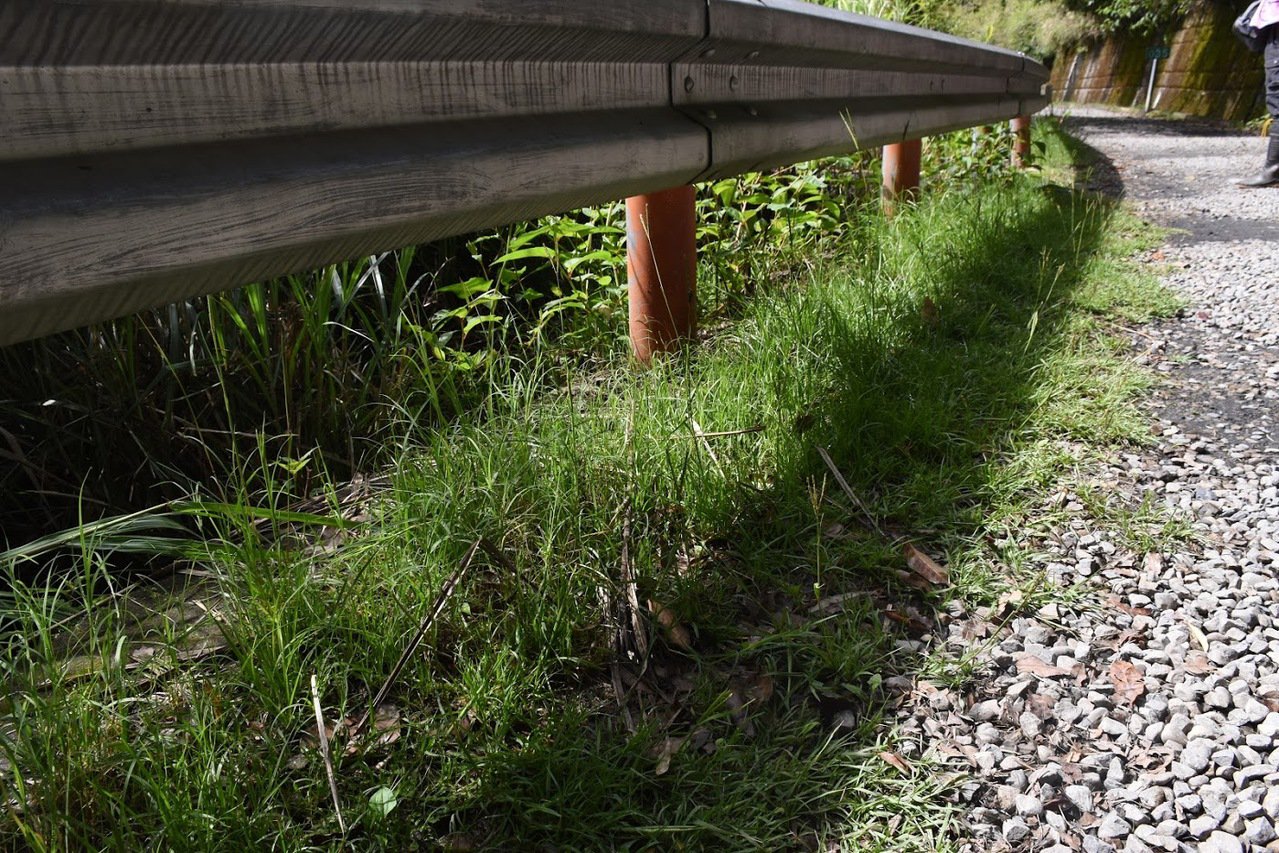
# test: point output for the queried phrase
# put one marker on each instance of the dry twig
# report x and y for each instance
(729, 433)
(697, 429)
(630, 587)
(848, 490)
(431, 615)
(325, 753)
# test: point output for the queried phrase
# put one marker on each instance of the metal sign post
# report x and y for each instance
(1154, 54)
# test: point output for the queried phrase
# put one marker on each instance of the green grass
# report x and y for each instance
(957, 362)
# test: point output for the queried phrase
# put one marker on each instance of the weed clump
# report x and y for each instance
(678, 632)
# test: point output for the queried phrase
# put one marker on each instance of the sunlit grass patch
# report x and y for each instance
(679, 631)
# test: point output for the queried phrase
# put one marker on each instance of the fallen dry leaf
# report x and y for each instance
(737, 712)
(385, 730)
(1115, 603)
(1028, 663)
(386, 723)
(1197, 663)
(914, 624)
(761, 689)
(664, 752)
(835, 603)
(1198, 636)
(976, 630)
(466, 723)
(311, 738)
(675, 632)
(1128, 680)
(914, 581)
(930, 312)
(925, 566)
(1041, 705)
(1145, 759)
(1010, 602)
(896, 761)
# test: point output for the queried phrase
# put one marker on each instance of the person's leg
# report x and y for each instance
(1270, 172)
(1272, 73)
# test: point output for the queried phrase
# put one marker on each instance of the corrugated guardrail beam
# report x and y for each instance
(155, 150)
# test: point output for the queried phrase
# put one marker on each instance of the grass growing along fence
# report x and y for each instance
(953, 361)
(126, 415)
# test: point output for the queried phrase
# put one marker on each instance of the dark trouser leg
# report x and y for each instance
(1270, 172)
(1272, 75)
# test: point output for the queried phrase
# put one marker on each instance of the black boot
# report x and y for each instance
(1270, 172)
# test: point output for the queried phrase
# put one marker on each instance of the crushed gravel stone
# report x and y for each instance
(1144, 714)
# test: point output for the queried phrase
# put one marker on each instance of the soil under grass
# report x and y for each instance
(679, 632)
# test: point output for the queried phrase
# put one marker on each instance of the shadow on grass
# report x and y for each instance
(936, 369)
(1094, 171)
(923, 393)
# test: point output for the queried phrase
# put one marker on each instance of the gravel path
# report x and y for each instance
(1145, 714)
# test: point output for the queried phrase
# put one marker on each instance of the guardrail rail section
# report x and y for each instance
(158, 150)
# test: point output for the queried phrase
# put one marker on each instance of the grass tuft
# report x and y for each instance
(958, 363)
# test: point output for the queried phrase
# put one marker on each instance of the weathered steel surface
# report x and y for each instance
(781, 81)
(154, 150)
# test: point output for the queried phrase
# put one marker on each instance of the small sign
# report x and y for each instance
(1158, 53)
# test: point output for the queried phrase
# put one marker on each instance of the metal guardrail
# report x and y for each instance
(155, 150)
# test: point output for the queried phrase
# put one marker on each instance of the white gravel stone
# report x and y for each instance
(1260, 831)
(984, 712)
(1270, 803)
(1197, 755)
(1201, 827)
(1028, 806)
(1221, 842)
(1194, 762)
(1080, 797)
(1113, 826)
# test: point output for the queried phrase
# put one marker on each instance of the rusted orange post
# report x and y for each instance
(901, 172)
(1021, 141)
(661, 262)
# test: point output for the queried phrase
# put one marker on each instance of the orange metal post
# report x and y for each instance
(1021, 142)
(661, 262)
(901, 172)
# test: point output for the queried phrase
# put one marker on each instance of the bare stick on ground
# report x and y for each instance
(638, 641)
(710, 451)
(730, 433)
(848, 490)
(325, 753)
(431, 615)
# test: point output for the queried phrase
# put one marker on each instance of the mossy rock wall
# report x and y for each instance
(1209, 73)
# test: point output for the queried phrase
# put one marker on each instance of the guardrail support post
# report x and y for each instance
(1021, 141)
(661, 263)
(901, 172)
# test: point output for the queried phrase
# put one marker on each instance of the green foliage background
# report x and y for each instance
(1041, 28)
